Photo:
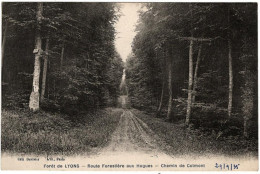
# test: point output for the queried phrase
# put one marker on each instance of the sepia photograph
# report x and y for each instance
(129, 86)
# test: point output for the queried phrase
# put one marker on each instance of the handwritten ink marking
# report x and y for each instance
(225, 166)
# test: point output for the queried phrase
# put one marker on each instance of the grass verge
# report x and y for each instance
(45, 133)
(183, 141)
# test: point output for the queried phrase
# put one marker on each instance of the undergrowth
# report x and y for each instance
(45, 133)
(183, 141)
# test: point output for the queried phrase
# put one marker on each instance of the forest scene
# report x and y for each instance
(187, 87)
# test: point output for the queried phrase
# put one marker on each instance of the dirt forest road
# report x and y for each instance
(132, 147)
(132, 141)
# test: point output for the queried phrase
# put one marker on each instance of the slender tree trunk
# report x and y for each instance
(196, 74)
(45, 66)
(230, 70)
(48, 80)
(245, 132)
(54, 89)
(161, 99)
(169, 113)
(87, 59)
(189, 100)
(230, 86)
(9, 77)
(247, 99)
(163, 85)
(48, 88)
(3, 42)
(248, 87)
(34, 97)
(62, 53)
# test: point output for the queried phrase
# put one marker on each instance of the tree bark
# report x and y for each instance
(163, 85)
(230, 86)
(245, 132)
(34, 97)
(54, 90)
(3, 42)
(45, 66)
(169, 113)
(161, 98)
(62, 53)
(189, 100)
(196, 74)
(247, 99)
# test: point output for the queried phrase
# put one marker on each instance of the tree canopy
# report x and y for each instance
(83, 69)
(192, 59)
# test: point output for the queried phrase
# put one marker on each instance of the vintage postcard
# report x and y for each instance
(117, 86)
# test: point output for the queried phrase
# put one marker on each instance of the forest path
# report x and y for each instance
(132, 141)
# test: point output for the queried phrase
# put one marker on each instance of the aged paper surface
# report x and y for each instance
(129, 162)
(134, 144)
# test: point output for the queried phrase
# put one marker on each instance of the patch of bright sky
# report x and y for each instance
(125, 28)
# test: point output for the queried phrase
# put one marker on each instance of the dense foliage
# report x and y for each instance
(84, 70)
(198, 60)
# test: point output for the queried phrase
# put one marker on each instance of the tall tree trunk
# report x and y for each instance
(3, 42)
(48, 88)
(248, 103)
(230, 70)
(62, 53)
(45, 66)
(248, 87)
(230, 86)
(196, 74)
(34, 97)
(87, 59)
(163, 85)
(48, 80)
(245, 132)
(169, 113)
(54, 90)
(189, 100)
(161, 98)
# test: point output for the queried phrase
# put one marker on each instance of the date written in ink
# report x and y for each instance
(226, 166)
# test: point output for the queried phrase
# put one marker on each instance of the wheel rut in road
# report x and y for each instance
(133, 139)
